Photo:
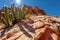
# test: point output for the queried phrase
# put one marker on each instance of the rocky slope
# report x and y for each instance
(33, 28)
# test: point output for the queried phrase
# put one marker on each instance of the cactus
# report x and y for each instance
(5, 21)
(11, 18)
(13, 9)
(5, 17)
(22, 13)
(15, 15)
(15, 12)
(18, 14)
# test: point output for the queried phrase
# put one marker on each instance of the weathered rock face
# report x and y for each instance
(33, 28)
(34, 10)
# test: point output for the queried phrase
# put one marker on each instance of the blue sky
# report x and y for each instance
(51, 7)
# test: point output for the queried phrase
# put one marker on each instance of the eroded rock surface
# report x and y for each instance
(34, 28)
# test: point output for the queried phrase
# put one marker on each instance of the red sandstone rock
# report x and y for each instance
(42, 28)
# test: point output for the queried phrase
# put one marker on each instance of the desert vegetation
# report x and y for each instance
(28, 23)
(13, 15)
